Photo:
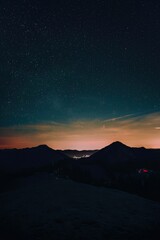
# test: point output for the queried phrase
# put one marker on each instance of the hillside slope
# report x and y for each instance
(44, 207)
(118, 156)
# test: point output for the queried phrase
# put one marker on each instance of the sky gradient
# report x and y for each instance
(133, 130)
(79, 74)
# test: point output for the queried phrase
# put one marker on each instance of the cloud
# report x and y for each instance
(86, 134)
(118, 118)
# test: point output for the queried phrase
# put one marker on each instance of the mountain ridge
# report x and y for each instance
(116, 156)
(26, 159)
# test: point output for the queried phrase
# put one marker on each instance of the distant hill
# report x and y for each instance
(28, 159)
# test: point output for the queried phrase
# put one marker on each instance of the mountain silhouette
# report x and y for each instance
(111, 162)
(118, 155)
(116, 151)
(115, 165)
(114, 157)
(19, 160)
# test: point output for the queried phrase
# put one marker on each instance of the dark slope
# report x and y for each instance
(135, 170)
(119, 156)
(22, 160)
(45, 208)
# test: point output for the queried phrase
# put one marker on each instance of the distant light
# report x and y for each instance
(143, 170)
(84, 156)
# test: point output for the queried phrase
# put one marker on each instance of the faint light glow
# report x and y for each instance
(143, 170)
(85, 134)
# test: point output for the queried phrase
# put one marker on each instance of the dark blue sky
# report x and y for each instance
(68, 60)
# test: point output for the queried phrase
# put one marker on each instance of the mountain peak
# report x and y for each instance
(114, 147)
(118, 144)
(43, 146)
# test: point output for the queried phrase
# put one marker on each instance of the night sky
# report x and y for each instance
(79, 74)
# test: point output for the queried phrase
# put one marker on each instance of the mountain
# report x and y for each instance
(135, 170)
(116, 165)
(117, 151)
(27, 159)
(119, 156)
(113, 161)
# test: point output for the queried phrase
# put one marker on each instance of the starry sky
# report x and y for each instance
(79, 74)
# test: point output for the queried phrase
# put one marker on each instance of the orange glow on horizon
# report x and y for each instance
(93, 134)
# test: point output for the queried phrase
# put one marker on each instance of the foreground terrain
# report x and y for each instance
(45, 207)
